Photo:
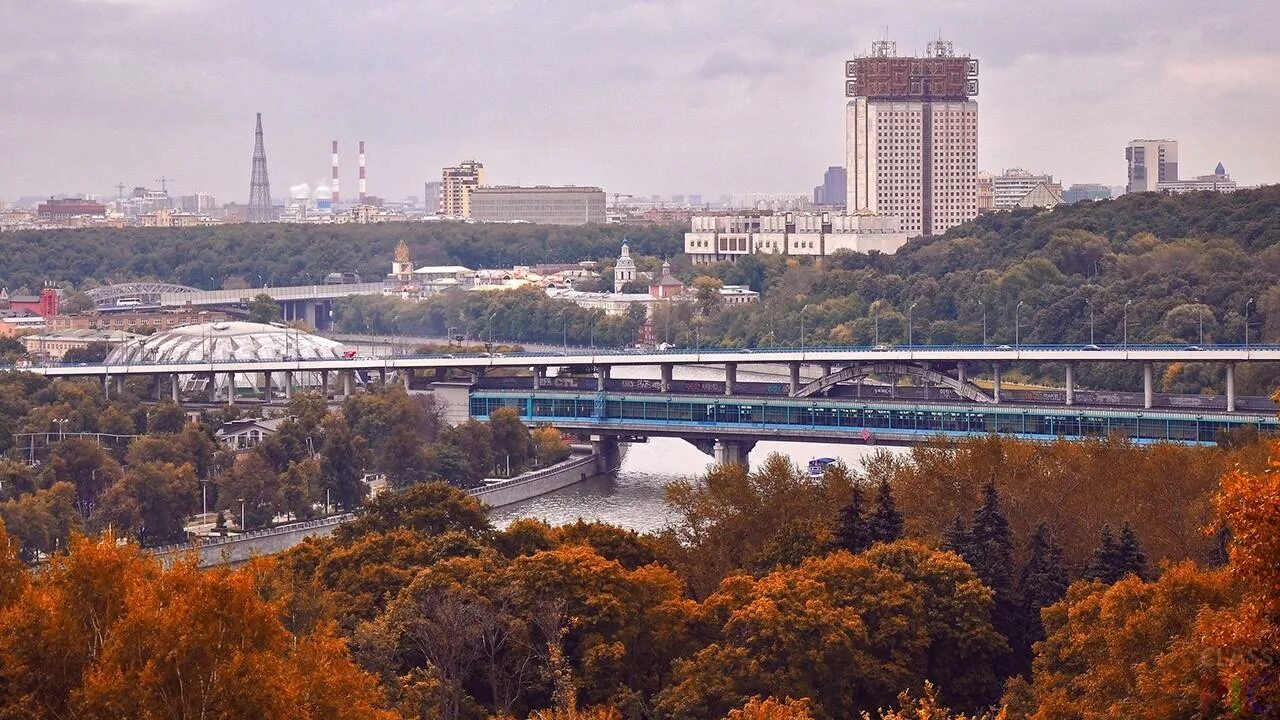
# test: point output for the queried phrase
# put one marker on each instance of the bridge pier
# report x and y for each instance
(793, 369)
(962, 373)
(324, 384)
(1071, 383)
(231, 388)
(665, 383)
(730, 377)
(106, 388)
(346, 384)
(1148, 385)
(734, 452)
(602, 376)
(605, 448)
(173, 387)
(266, 387)
(825, 367)
(288, 385)
(1231, 387)
(538, 374)
(995, 382)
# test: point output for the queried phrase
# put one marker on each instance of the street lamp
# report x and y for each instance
(876, 317)
(1089, 302)
(564, 318)
(1200, 310)
(984, 322)
(1246, 323)
(1017, 325)
(1127, 303)
(491, 317)
(910, 316)
(241, 514)
(806, 307)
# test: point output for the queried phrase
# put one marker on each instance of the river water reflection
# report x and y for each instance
(634, 498)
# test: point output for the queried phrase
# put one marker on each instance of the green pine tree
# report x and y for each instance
(990, 554)
(956, 537)
(1043, 582)
(851, 531)
(885, 522)
(1104, 563)
(1130, 560)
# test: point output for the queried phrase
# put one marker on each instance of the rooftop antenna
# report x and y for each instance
(164, 184)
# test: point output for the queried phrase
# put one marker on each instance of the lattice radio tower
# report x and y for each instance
(259, 185)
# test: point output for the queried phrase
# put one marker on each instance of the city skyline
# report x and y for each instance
(133, 90)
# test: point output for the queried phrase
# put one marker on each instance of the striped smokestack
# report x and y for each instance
(335, 174)
(361, 172)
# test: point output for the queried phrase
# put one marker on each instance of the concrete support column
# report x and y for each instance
(665, 383)
(602, 376)
(106, 387)
(382, 376)
(730, 377)
(324, 384)
(173, 387)
(538, 374)
(995, 381)
(1148, 385)
(231, 388)
(962, 373)
(346, 384)
(1231, 387)
(266, 387)
(1071, 383)
(732, 451)
(826, 368)
(288, 384)
(794, 369)
(158, 388)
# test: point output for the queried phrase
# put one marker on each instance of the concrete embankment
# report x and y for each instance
(237, 549)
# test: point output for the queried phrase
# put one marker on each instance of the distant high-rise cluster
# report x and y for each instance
(911, 136)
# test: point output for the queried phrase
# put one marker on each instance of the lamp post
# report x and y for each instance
(1247, 305)
(910, 316)
(564, 319)
(241, 514)
(491, 317)
(806, 307)
(875, 314)
(1127, 303)
(1200, 311)
(1089, 302)
(984, 322)
(1017, 325)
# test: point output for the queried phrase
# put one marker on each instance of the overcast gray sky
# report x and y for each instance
(711, 97)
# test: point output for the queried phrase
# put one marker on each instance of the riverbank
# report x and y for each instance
(239, 548)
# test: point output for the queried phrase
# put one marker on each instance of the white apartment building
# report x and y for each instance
(456, 184)
(911, 137)
(1219, 181)
(712, 238)
(1151, 162)
(1011, 186)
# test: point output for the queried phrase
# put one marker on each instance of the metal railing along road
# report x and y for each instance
(1058, 352)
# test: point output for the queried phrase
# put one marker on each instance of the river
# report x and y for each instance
(633, 498)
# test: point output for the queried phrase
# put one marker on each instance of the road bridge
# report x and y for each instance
(951, 367)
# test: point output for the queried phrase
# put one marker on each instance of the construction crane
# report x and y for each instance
(617, 196)
(164, 183)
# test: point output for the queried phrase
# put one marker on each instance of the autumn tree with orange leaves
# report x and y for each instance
(105, 632)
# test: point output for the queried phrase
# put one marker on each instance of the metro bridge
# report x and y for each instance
(727, 427)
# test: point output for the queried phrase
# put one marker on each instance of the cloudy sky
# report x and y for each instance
(705, 96)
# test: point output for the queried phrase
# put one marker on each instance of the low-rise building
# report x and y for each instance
(1219, 181)
(542, 204)
(1009, 187)
(1081, 192)
(134, 320)
(728, 237)
(51, 345)
(247, 433)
